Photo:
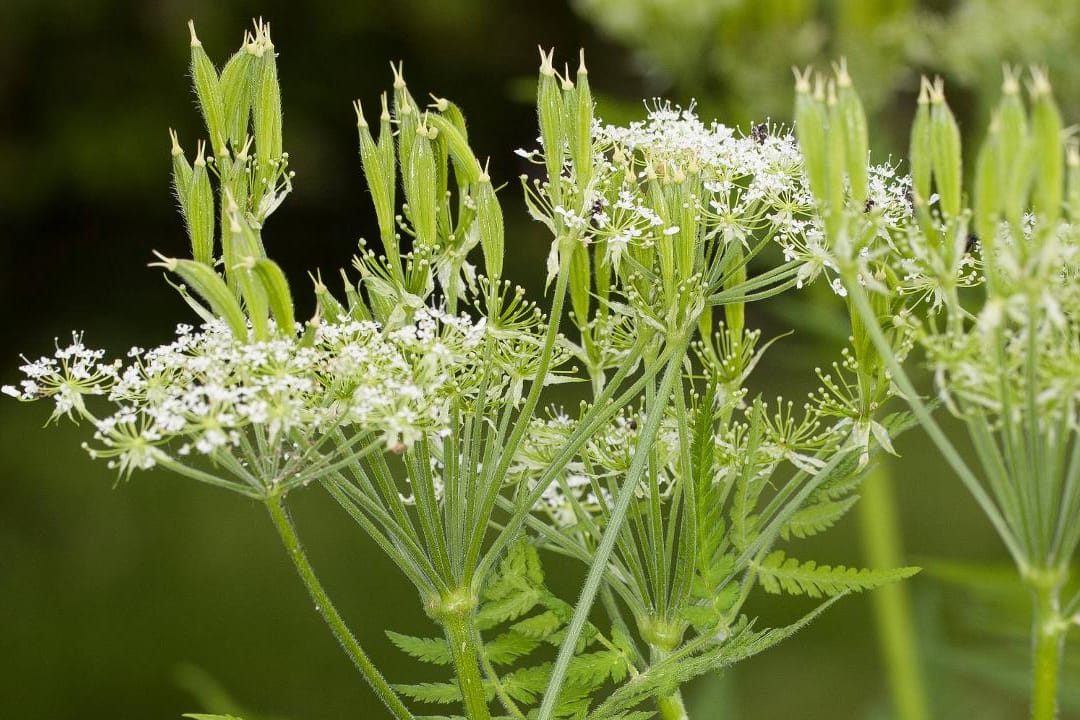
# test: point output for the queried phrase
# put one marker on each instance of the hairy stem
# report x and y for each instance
(287, 532)
(880, 531)
(1047, 636)
(462, 639)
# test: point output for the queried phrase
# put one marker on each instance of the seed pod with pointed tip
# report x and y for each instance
(208, 90)
(242, 255)
(380, 187)
(581, 122)
(419, 181)
(1012, 125)
(407, 115)
(580, 282)
(549, 107)
(810, 124)
(919, 154)
(1072, 163)
(201, 211)
(209, 286)
(1046, 133)
(945, 151)
(236, 93)
(181, 171)
(490, 223)
(266, 112)
(856, 138)
(837, 153)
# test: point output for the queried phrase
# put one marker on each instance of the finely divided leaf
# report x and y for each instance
(430, 650)
(780, 574)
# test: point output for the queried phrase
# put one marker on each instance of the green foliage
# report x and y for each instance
(781, 574)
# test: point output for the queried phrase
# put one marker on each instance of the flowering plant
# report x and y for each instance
(415, 398)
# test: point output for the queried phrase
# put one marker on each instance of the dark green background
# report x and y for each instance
(107, 590)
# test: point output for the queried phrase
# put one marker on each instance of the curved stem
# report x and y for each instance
(283, 523)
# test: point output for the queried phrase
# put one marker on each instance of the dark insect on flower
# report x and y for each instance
(597, 206)
(632, 424)
(759, 132)
(869, 205)
(971, 243)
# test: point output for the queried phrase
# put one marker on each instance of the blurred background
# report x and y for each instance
(156, 597)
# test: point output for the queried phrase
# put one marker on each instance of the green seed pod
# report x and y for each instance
(856, 137)
(1048, 157)
(419, 180)
(1012, 123)
(945, 151)
(581, 147)
(201, 211)
(549, 107)
(266, 112)
(276, 287)
(465, 163)
(311, 329)
(920, 154)
(208, 90)
(836, 141)
(988, 185)
(407, 116)
(1072, 161)
(580, 282)
(209, 285)
(490, 223)
(243, 254)
(236, 92)
(810, 124)
(181, 171)
(371, 160)
(327, 306)
(357, 309)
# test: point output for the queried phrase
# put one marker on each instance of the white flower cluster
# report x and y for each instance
(200, 392)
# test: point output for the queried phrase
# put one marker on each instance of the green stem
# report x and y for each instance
(1048, 635)
(462, 639)
(648, 435)
(329, 613)
(880, 531)
(671, 706)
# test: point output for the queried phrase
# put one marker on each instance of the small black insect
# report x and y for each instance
(597, 206)
(632, 424)
(759, 132)
(972, 243)
(869, 205)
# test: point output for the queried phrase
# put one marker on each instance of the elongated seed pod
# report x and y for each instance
(276, 287)
(201, 211)
(244, 252)
(919, 154)
(856, 137)
(836, 142)
(209, 286)
(407, 115)
(580, 282)
(1013, 126)
(581, 147)
(1046, 134)
(490, 223)
(371, 161)
(208, 91)
(461, 154)
(988, 186)
(236, 93)
(945, 151)
(266, 113)
(549, 108)
(1072, 162)
(810, 124)
(181, 171)
(419, 181)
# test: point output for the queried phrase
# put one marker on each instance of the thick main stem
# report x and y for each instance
(329, 613)
(462, 642)
(671, 706)
(880, 531)
(1047, 635)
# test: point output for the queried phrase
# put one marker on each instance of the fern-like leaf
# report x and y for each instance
(781, 574)
(435, 651)
(816, 518)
